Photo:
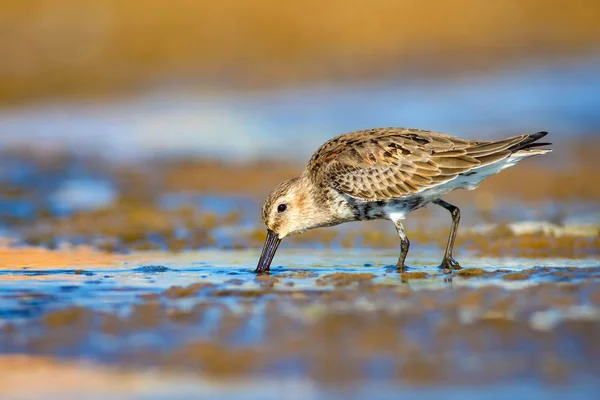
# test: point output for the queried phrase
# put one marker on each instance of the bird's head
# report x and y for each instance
(290, 208)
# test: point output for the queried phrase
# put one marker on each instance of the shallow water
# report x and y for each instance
(98, 285)
(523, 324)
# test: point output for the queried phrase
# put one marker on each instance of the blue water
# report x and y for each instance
(115, 290)
(102, 288)
(291, 123)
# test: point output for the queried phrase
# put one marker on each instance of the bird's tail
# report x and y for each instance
(518, 146)
(530, 144)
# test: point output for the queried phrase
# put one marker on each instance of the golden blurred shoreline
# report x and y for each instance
(124, 225)
(61, 48)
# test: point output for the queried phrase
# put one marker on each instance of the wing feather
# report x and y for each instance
(387, 163)
(494, 147)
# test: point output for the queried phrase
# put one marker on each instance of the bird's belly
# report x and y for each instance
(394, 209)
(469, 180)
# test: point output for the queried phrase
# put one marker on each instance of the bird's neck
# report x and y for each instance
(321, 205)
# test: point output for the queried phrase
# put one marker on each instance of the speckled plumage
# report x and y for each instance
(387, 173)
(388, 163)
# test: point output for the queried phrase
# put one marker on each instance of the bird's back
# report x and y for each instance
(389, 163)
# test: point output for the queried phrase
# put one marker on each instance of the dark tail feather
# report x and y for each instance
(530, 142)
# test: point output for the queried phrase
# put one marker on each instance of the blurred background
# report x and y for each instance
(134, 130)
(174, 104)
(267, 79)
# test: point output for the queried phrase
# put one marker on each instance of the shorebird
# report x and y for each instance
(386, 173)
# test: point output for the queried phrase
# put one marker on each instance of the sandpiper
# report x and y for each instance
(386, 173)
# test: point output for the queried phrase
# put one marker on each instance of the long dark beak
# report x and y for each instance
(268, 251)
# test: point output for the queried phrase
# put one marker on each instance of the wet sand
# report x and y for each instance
(183, 205)
(335, 320)
(135, 281)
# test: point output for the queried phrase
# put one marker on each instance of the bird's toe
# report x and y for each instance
(449, 264)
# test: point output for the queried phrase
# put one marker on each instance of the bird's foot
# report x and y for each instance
(449, 264)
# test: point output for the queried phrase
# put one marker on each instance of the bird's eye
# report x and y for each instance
(281, 208)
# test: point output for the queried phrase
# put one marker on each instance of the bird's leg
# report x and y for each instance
(404, 245)
(449, 263)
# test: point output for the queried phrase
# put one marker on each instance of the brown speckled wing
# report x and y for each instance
(387, 163)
